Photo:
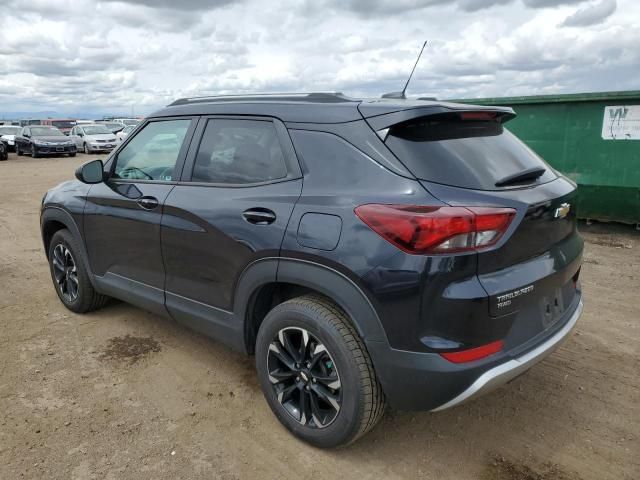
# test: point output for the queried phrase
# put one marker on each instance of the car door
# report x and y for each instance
(73, 135)
(230, 208)
(22, 139)
(122, 215)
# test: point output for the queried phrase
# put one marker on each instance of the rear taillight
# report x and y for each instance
(473, 354)
(421, 230)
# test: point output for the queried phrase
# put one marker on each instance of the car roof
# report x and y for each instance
(309, 107)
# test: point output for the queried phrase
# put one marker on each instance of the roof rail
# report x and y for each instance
(319, 97)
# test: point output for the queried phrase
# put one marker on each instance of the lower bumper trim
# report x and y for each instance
(501, 374)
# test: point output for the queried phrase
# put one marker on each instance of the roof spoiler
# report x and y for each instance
(381, 122)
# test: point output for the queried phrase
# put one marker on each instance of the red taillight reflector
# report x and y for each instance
(472, 354)
(421, 229)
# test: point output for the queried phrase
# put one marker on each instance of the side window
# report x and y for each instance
(239, 152)
(153, 152)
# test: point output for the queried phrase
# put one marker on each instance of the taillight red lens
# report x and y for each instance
(420, 229)
(472, 354)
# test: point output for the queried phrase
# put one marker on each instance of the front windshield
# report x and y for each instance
(130, 122)
(96, 130)
(46, 132)
(128, 129)
(9, 130)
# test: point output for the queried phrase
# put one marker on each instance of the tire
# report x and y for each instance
(72, 154)
(34, 152)
(344, 371)
(4, 155)
(86, 298)
(86, 149)
(18, 151)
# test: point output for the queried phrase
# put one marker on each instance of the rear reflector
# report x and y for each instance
(472, 354)
(423, 230)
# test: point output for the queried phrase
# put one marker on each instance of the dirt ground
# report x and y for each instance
(122, 393)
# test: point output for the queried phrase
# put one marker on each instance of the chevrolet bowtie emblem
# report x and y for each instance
(562, 211)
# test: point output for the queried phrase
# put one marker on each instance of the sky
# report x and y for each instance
(135, 56)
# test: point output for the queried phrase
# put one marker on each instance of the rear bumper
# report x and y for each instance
(426, 381)
(502, 374)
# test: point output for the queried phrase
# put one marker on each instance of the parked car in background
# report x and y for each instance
(8, 136)
(64, 126)
(124, 133)
(39, 140)
(96, 137)
(114, 127)
(127, 121)
(30, 121)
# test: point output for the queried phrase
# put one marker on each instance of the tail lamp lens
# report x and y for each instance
(421, 229)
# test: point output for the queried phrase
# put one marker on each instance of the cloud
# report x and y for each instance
(591, 14)
(549, 3)
(106, 56)
(183, 5)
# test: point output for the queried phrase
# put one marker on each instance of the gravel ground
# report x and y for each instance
(122, 393)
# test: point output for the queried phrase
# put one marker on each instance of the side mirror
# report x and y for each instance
(91, 172)
(80, 134)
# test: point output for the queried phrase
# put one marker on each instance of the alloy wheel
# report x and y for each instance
(304, 377)
(65, 272)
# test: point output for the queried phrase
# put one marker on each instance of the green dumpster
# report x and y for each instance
(593, 138)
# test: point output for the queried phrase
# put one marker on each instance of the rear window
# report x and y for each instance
(472, 153)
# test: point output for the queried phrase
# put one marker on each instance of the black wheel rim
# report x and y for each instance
(65, 272)
(304, 377)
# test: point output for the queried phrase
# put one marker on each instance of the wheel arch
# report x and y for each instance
(268, 282)
(54, 219)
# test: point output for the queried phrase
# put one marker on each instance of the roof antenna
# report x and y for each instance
(402, 93)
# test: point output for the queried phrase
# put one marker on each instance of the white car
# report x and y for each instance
(8, 135)
(127, 121)
(93, 138)
(124, 133)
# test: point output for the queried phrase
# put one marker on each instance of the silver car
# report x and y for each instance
(93, 138)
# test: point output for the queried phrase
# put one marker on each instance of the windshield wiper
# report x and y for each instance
(523, 176)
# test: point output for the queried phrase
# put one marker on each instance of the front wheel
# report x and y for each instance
(70, 276)
(316, 373)
(18, 151)
(73, 154)
(86, 149)
(34, 152)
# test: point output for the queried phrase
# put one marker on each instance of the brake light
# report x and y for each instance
(472, 354)
(420, 229)
(478, 115)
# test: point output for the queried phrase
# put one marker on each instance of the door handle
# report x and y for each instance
(148, 203)
(259, 216)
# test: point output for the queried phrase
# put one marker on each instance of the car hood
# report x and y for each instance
(101, 136)
(8, 137)
(52, 139)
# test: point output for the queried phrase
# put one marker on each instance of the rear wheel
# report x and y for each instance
(70, 276)
(316, 373)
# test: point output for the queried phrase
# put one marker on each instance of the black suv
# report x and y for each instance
(367, 252)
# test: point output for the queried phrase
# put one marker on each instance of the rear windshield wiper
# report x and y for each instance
(523, 176)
